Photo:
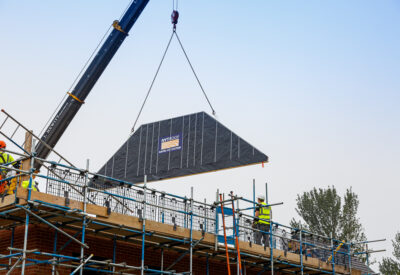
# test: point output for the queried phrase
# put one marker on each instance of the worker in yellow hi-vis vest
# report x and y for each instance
(25, 185)
(262, 222)
(5, 160)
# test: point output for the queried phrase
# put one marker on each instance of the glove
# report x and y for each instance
(17, 165)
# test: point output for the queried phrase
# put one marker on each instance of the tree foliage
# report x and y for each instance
(390, 266)
(323, 213)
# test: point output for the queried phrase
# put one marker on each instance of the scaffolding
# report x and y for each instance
(78, 200)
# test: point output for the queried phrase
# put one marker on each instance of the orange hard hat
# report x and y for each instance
(2, 144)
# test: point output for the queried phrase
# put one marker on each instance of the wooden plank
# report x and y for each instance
(116, 218)
(166, 229)
(7, 201)
(56, 200)
(26, 164)
(22, 194)
(96, 210)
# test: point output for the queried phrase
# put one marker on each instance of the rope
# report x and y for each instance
(75, 80)
(158, 70)
(174, 19)
(52, 115)
(127, 7)
(152, 82)
(198, 81)
(175, 4)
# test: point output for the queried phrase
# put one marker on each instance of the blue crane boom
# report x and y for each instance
(76, 98)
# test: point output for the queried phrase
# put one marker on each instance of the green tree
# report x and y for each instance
(390, 266)
(322, 212)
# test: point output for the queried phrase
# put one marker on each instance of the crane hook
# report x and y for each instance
(174, 18)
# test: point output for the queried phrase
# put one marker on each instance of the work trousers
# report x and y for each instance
(262, 238)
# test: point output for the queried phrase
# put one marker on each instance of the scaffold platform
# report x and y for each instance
(69, 216)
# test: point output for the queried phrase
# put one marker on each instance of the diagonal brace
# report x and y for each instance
(82, 264)
(69, 241)
(183, 255)
(55, 227)
(14, 266)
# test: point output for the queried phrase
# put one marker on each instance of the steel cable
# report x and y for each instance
(152, 82)
(194, 72)
(156, 74)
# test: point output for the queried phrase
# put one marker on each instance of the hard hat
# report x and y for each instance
(261, 197)
(2, 144)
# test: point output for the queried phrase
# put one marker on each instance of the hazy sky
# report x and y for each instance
(313, 84)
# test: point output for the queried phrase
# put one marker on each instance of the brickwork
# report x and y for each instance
(42, 237)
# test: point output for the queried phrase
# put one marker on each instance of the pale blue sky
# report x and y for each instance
(313, 84)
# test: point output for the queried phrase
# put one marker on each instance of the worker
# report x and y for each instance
(262, 222)
(5, 159)
(25, 185)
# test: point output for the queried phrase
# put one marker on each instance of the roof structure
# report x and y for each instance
(180, 146)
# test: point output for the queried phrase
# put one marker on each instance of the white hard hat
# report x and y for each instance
(261, 197)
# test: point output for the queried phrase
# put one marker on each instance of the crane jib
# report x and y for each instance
(89, 78)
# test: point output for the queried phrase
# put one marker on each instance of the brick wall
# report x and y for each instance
(42, 237)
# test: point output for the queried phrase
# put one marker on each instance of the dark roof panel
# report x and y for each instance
(178, 147)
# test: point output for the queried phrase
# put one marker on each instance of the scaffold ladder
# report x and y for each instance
(235, 229)
(18, 125)
(226, 243)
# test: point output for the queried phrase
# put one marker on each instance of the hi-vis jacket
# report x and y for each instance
(4, 159)
(264, 213)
